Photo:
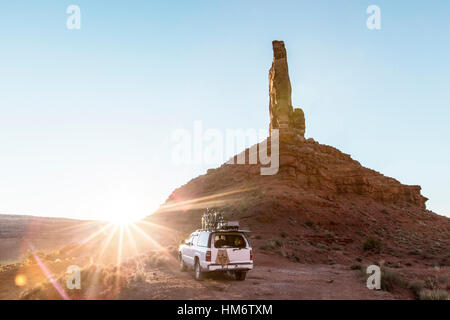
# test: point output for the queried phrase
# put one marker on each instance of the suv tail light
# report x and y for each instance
(208, 256)
(251, 255)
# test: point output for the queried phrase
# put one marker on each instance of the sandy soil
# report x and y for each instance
(293, 282)
(271, 279)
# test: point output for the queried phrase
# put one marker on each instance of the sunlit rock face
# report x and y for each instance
(315, 184)
(290, 121)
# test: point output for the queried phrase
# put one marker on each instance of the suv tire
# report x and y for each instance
(183, 267)
(198, 274)
(240, 275)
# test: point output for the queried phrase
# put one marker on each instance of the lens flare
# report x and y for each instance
(20, 280)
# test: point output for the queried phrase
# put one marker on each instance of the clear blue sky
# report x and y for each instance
(86, 115)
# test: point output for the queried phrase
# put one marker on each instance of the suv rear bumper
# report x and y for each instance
(245, 266)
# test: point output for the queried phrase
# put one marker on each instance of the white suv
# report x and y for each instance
(217, 250)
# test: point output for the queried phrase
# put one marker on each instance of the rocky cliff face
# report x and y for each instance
(328, 171)
(321, 167)
(290, 121)
(319, 196)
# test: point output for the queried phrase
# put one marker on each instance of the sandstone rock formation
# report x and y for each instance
(319, 195)
(283, 116)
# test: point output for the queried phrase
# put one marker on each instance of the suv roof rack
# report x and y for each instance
(214, 221)
(222, 230)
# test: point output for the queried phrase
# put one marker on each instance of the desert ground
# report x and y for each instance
(154, 274)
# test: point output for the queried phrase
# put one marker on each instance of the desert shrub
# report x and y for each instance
(272, 244)
(281, 252)
(173, 251)
(321, 245)
(162, 261)
(294, 242)
(99, 275)
(29, 260)
(330, 234)
(414, 252)
(257, 193)
(416, 287)
(278, 242)
(426, 294)
(293, 257)
(258, 237)
(292, 221)
(309, 223)
(52, 255)
(94, 276)
(30, 293)
(356, 266)
(283, 234)
(139, 276)
(431, 283)
(362, 272)
(372, 244)
(158, 259)
(150, 260)
(391, 279)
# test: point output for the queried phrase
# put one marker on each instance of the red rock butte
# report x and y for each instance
(316, 185)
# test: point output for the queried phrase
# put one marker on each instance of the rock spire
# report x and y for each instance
(283, 116)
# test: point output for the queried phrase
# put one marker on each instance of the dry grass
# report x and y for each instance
(416, 287)
(390, 279)
(97, 281)
(372, 244)
(426, 294)
(356, 266)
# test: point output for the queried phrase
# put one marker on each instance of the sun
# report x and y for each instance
(122, 221)
(122, 211)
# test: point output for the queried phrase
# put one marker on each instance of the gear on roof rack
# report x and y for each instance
(214, 220)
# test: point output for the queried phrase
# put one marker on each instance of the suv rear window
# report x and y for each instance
(229, 241)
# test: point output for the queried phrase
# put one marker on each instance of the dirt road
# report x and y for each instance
(296, 281)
